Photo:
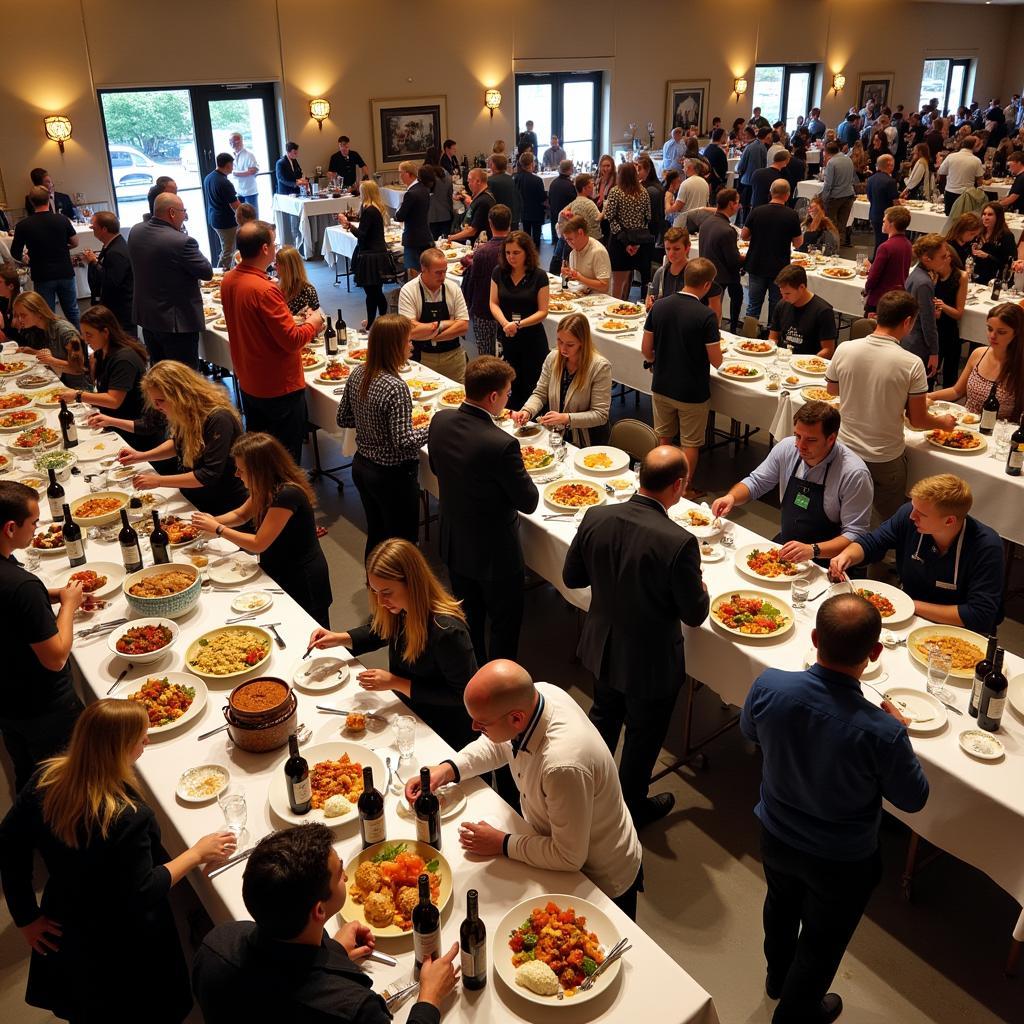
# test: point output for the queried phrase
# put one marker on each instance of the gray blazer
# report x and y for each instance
(923, 338)
(168, 267)
(588, 400)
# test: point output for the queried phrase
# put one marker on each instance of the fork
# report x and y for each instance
(396, 992)
(616, 952)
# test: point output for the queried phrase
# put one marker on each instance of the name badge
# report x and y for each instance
(942, 585)
(801, 500)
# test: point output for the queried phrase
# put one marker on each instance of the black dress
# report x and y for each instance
(526, 351)
(295, 560)
(1002, 250)
(948, 330)
(220, 489)
(371, 262)
(438, 676)
(122, 369)
(119, 958)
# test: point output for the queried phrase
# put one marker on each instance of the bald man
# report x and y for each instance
(571, 798)
(644, 573)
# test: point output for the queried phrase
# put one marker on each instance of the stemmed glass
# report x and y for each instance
(939, 666)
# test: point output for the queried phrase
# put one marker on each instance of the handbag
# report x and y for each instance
(635, 236)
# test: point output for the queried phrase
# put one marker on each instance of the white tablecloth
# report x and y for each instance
(86, 240)
(1000, 189)
(652, 984)
(340, 242)
(312, 214)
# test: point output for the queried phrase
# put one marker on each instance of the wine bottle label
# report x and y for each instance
(426, 944)
(57, 509)
(988, 419)
(131, 554)
(1016, 459)
(995, 708)
(474, 965)
(374, 830)
(302, 791)
(72, 433)
(423, 830)
(74, 549)
(976, 693)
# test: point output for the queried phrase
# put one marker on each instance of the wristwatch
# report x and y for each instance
(816, 551)
(219, 530)
(78, 396)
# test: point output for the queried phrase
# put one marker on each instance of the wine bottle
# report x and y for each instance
(426, 927)
(342, 330)
(997, 287)
(159, 541)
(68, 429)
(128, 541)
(55, 496)
(990, 411)
(993, 696)
(74, 542)
(981, 670)
(371, 811)
(428, 813)
(329, 347)
(473, 945)
(296, 777)
(1015, 456)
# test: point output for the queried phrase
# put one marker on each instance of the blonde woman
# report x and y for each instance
(819, 230)
(575, 386)
(430, 653)
(292, 280)
(108, 878)
(54, 342)
(376, 401)
(280, 507)
(371, 262)
(204, 426)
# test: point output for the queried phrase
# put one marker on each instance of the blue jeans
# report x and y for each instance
(253, 201)
(756, 288)
(411, 257)
(64, 291)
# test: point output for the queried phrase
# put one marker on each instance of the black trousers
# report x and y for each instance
(390, 497)
(736, 306)
(811, 911)
(646, 721)
(376, 302)
(949, 350)
(499, 602)
(29, 741)
(948, 199)
(282, 416)
(533, 229)
(525, 353)
(627, 901)
(183, 346)
(879, 235)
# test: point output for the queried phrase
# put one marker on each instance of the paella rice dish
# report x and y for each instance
(963, 653)
(163, 584)
(575, 495)
(223, 654)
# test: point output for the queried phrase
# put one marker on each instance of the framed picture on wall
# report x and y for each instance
(686, 105)
(405, 129)
(875, 86)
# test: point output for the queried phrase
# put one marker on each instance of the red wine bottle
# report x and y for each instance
(55, 497)
(67, 425)
(74, 542)
(128, 541)
(426, 927)
(993, 696)
(473, 944)
(981, 670)
(296, 777)
(428, 813)
(371, 812)
(990, 411)
(1015, 457)
(159, 541)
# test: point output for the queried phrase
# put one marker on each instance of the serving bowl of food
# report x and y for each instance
(228, 653)
(143, 640)
(99, 509)
(61, 462)
(163, 591)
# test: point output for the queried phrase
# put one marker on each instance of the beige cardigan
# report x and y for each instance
(587, 402)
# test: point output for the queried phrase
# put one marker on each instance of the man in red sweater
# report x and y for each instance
(892, 258)
(265, 341)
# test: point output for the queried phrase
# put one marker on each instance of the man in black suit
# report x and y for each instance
(720, 244)
(288, 177)
(482, 488)
(503, 188)
(717, 159)
(532, 196)
(111, 280)
(60, 202)
(561, 192)
(644, 575)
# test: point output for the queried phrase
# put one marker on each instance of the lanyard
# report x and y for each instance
(942, 585)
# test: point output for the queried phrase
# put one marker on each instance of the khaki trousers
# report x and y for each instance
(890, 488)
(449, 364)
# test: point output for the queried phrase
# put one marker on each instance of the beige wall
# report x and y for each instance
(442, 49)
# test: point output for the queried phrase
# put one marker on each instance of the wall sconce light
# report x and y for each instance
(492, 100)
(319, 110)
(838, 81)
(739, 86)
(58, 129)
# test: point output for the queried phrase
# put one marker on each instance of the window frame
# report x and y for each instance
(788, 70)
(556, 79)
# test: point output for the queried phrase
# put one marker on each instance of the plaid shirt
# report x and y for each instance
(383, 418)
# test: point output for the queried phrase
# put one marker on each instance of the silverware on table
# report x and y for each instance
(391, 774)
(212, 732)
(614, 954)
(340, 711)
(98, 628)
(378, 957)
(951, 707)
(396, 992)
(236, 858)
(272, 626)
(117, 681)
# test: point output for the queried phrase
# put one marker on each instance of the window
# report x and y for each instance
(783, 91)
(944, 79)
(564, 104)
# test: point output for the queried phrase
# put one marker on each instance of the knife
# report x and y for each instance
(339, 711)
(117, 681)
(381, 958)
(236, 858)
(277, 636)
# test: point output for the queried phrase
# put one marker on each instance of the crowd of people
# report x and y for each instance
(453, 648)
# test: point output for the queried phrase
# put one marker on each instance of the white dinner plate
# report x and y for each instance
(451, 798)
(772, 599)
(636, 311)
(745, 347)
(717, 553)
(901, 602)
(804, 394)
(741, 564)
(247, 601)
(623, 329)
(547, 459)
(317, 675)
(130, 686)
(333, 751)
(549, 492)
(758, 373)
(979, 440)
(619, 460)
(982, 745)
(924, 633)
(315, 365)
(874, 667)
(1015, 694)
(926, 713)
(457, 396)
(37, 420)
(352, 360)
(228, 569)
(598, 922)
(99, 448)
(680, 512)
(218, 776)
(804, 365)
(113, 572)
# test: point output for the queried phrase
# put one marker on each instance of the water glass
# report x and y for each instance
(1001, 440)
(232, 803)
(801, 589)
(405, 736)
(939, 665)
(557, 441)
(783, 355)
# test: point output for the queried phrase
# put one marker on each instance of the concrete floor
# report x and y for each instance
(936, 960)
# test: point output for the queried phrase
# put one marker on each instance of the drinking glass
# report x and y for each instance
(800, 590)
(405, 736)
(783, 354)
(232, 803)
(557, 441)
(939, 665)
(1001, 439)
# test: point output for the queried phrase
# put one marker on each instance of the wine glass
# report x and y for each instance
(939, 665)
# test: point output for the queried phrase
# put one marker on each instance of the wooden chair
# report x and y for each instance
(862, 328)
(634, 437)
(751, 328)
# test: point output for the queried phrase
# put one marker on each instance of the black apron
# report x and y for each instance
(803, 512)
(919, 577)
(434, 313)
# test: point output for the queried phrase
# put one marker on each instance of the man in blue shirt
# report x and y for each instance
(672, 153)
(883, 191)
(849, 130)
(221, 203)
(825, 488)
(753, 158)
(949, 563)
(830, 757)
(815, 126)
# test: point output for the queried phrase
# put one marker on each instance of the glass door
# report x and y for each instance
(564, 104)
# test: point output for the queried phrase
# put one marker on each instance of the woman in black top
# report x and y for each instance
(519, 303)
(950, 299)
(962, 236)
(203, 426)
(442, 195)
(372, 265)
(10, 286)
(430, 651)
(648, 254)
(879, 146)
(103, 939)
(280, 506)
(118, 365)
(994, 248)
(295, 286)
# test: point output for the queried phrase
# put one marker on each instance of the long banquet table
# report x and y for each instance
(651, 983)
(1000, 189)
(310, 210)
